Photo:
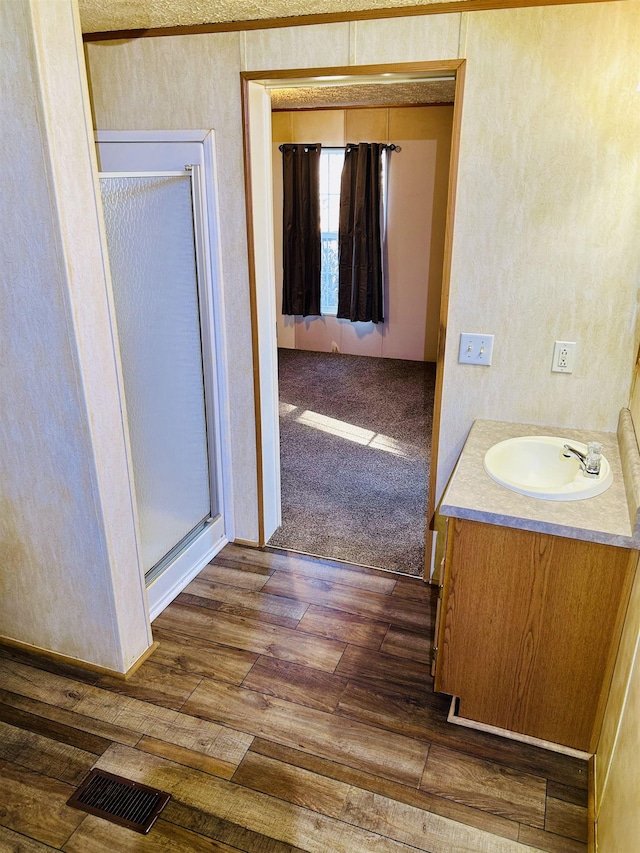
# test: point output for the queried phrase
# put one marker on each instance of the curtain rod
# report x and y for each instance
(390, 146)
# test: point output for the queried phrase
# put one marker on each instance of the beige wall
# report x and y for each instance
(546, 215)
(417, 200)
(70, 580)
(545, 242)
(617, 780)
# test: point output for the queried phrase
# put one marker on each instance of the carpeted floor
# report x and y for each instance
(354, 442)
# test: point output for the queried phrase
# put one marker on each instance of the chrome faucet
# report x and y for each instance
(589, 462)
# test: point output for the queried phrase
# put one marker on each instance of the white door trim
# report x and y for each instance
(256, 98)
(265, 294)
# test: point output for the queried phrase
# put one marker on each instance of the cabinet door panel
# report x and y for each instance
(531, 622)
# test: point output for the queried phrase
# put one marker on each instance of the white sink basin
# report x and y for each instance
(535, 465)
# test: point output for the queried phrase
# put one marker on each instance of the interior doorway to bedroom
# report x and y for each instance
(356, 400)
(260, 93)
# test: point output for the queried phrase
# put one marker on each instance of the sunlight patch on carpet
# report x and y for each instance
(351, 432)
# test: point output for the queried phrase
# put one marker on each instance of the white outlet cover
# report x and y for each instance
(563, 356)
(475, 348)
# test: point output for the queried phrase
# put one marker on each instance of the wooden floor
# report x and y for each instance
(288, 707)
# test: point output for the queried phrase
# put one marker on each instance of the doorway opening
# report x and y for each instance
(356, 398)
(262, 93)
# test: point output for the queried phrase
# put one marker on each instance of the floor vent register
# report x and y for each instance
(119, 800)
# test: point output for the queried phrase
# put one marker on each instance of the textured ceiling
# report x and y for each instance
(108, 15)
(104, 15)
(361, 95)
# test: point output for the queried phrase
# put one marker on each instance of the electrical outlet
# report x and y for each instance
(563, 356)
(475, 349)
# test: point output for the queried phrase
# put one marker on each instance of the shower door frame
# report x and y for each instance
(151, 152)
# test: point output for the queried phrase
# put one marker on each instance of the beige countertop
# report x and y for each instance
(610, 518)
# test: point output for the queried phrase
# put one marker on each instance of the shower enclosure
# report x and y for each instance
(163, 305)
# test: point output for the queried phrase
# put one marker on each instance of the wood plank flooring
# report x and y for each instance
(288, 707)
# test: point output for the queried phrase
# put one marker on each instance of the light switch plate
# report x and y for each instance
(475, 349)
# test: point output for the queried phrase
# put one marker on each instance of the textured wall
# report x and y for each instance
(546, 218)
(617, 781)
(547, 214)
(69, 578)
(296, 47)
(618, 826)
(617, 778)
(406, 39)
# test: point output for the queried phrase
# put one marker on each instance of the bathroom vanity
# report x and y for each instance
(534, 593)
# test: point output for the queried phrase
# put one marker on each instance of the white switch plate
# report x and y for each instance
(563, 356)
(475, 349)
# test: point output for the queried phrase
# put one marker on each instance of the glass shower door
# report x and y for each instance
(149, 220)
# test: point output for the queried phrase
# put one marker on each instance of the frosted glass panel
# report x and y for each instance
(150, 237)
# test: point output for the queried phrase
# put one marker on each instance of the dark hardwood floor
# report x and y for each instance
(289, 706)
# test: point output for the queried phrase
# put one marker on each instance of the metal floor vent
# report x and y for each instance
(119, 800)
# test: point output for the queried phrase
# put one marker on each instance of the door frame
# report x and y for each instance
(256, 112)
(134, 149)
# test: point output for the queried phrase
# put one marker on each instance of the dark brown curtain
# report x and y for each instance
(301, 229)
(360, 234)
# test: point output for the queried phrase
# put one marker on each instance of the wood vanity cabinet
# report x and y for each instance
(528, 629)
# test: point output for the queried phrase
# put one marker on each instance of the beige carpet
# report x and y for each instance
(355, 442)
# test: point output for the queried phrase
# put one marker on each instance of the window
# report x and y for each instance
(331, 162)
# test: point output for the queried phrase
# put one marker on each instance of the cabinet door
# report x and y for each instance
(529, 629)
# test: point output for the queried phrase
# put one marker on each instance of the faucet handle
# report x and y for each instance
(594, 454)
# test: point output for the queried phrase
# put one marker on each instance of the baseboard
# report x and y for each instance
(81, 664)
(495, 730)
(247, 543)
